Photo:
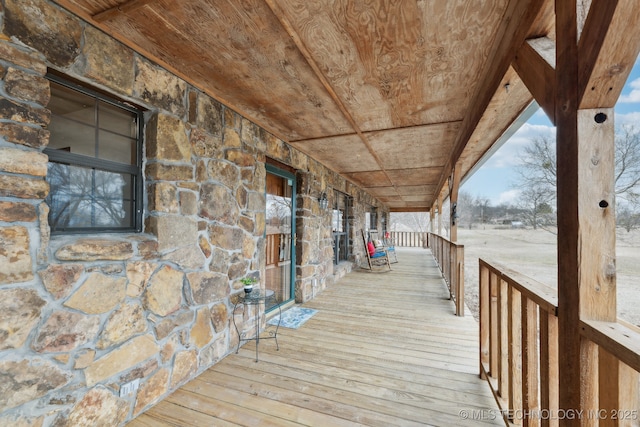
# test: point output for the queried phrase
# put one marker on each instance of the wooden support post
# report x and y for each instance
(586, 222)
(453, 203)
(440, 215)
(597, 280)
(432, 215)
(567, 185)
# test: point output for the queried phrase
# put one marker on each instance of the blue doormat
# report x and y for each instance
(294, 317)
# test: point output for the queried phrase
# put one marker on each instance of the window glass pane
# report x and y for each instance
(338, 220)
(116, 120)
(71, 136)
(73, 127)
(84, 197)
(72, 105)
(116, 148)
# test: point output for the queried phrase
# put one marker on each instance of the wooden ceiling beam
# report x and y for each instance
(515, 26)
(535, 64)
(123, 8)
(608, 48)
(425, 209)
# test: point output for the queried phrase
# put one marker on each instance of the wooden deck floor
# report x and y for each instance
(383, 350)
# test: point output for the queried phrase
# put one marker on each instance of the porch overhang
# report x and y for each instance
(392, 97)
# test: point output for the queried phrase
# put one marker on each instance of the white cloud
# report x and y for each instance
(507, 155)
(508, 197)
(632, 118)
(634, 95)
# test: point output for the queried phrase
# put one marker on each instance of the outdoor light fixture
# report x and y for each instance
(324, 202)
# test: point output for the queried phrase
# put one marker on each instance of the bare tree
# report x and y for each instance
(538, 162)
(481, 205)
(416, 221)
(465, 209)
(628, 218)
(627, 163)
(537, 177)
(535, 202)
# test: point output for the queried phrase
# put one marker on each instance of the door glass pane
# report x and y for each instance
(279, 232)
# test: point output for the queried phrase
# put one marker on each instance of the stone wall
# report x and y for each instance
(82, 315)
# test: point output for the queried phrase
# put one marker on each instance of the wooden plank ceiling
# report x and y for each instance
(390, 94)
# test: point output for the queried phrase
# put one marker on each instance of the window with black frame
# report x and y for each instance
(371, 219)
(341, 206)
(95, 162)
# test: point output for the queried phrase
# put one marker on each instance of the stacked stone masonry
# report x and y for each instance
(82, 315)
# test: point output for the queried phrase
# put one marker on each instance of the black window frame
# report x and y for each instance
(372, 215)
(78, 160)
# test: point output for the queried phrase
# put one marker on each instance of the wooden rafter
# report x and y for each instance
(608, 48)
(535, 64)
(521, 15)
(123, 8)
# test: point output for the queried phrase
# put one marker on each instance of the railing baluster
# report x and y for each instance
(628, 395)
(515, 356)
(484, 318)
(503, 353)
(529, 319)
(459, 280)
(608, 376)
(549, 368)
(494, 341)
(589, 381)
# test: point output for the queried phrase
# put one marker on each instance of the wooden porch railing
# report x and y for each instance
(409, 239)
(450, 259)
(519, 355)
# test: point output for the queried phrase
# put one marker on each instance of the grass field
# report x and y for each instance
(533, 253)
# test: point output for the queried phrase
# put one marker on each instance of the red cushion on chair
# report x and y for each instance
(371, 248)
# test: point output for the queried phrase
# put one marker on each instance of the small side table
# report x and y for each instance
(256, 298)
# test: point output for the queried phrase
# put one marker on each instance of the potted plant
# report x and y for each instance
(248, 283)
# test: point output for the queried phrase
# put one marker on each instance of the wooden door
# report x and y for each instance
(280, 233)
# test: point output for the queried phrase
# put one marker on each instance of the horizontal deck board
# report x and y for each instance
(384, 349)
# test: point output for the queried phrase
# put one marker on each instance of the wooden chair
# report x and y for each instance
(379, 259)
(381, 244)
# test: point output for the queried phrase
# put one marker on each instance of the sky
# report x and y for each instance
(495, 179)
